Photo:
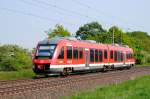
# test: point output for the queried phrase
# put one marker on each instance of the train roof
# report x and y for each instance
(56, 40)
(50, 41)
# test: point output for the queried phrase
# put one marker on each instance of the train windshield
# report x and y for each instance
(45, 51)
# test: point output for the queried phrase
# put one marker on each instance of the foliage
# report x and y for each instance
(137, 40)
(91, 31)
(140, 42)
(142, 37)
(13, 58)
(59, 30)
(15, 75)
(133, 89)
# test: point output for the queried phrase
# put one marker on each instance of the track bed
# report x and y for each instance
(56, 87)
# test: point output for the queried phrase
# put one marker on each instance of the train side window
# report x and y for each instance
(61, 54)
(91, 55)
(115, 55)
(81, 53)
(121, 56)
(75, 53)
(105, 54)
(69, 52)
(131, 55)
(111, 54)
(118, 56)
(100, 55)
(96, 55)
(127, 55)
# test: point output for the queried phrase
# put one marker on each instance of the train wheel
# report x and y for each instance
(46, 76)
(112, 67)
(104, 69)
(133, 65)
(66, 71)
(129, 67)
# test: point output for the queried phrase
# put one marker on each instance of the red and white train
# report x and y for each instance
(66, 55)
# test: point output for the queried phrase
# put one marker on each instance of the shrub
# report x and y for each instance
(14, 58)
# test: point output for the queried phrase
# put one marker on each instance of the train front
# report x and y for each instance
(43, 57)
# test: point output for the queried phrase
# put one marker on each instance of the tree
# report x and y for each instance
(91, 31)
(13, 58)
(59, 30)
(143, 37)
(139, 42)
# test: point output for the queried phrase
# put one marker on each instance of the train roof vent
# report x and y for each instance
(70, 38)
(116, 44)
(90, 41)
(126, 46)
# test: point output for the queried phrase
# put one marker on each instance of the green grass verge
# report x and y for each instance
(133, 89)
(143, 65)
(14, 75)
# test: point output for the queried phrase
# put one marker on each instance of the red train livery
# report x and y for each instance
(65, 55)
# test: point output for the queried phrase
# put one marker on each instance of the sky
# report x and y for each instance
(24, 22)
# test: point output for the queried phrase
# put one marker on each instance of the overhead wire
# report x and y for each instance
(89, 7)
(45, 8)
(59, 8)
(63, 9)
(98, 10)
(30, 14)
(93, 18)
(39, 6)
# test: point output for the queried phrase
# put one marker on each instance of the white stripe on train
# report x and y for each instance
(92, 65)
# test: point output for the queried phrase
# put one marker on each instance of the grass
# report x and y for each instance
(133, 89)
(143, 65)
(14, 75)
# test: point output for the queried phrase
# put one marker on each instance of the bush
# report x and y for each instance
(14, 58)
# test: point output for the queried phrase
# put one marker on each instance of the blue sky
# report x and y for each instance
(23, 22)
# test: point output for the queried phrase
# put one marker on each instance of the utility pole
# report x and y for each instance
(120, 38)
(113, 37)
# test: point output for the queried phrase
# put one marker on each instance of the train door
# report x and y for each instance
(105, 56)
(86, 57)
(124, 58)
(62, 56)
(75, 55)
(69, 54)
(111, 56)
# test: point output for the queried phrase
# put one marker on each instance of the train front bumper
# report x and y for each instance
(46, 69)
(41, 69)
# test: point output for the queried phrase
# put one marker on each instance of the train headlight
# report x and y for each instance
(40, 66)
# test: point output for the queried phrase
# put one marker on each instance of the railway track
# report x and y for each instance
(17, 87)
